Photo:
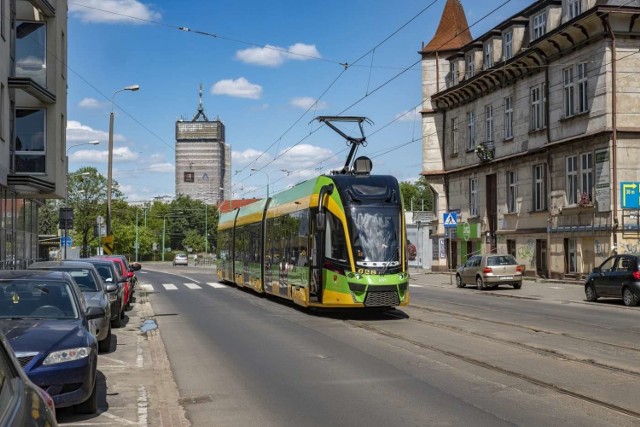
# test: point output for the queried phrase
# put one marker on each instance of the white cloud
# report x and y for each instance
(274, 56)
(161, 168)
(303, 156)
(89, 103)
(113, 11)
(239, 88)
(307, 102)
(409, 115)
(243, 158)
(77, 132)
(120, 154)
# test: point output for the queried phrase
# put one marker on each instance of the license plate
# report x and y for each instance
(506, 277)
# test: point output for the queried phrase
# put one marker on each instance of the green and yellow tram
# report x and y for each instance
(332, 241)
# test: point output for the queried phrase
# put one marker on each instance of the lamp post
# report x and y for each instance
(164, 228)
(131, 88)
(266, 174)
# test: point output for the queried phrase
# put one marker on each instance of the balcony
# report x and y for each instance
(486, 151)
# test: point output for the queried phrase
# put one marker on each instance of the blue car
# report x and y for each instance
(45, 318)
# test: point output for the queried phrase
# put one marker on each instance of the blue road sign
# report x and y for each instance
(450, 219)
(66, 241)
(630, 195)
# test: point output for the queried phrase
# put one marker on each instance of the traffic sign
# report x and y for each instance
(107, 244)
(450, 219)
(630, 195)
(66, 241)
(466, 231)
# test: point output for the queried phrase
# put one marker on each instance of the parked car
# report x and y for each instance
(617, 277)
(45, 318)
(490, 270)
(130, 267)
(122, 270)
(109, 273)
(180, 259)
(22, 403)
(93, 289)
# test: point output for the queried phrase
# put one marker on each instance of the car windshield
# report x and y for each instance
(105, 272)
(501, 260)
(83, 277)
(37, 299)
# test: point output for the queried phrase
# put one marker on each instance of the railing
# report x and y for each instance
(582, 221)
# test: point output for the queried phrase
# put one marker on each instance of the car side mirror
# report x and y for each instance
(123, 279)
(112, 287)
(95, 313)
(136, 266)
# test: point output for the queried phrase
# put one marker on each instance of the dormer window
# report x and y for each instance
(574, 8)
(471, 66)
(488, 54)
(507, 45)
(453, 73)
(539, 25)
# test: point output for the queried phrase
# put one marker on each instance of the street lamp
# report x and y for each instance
(164, 228)
(266, 174)
(131, 88)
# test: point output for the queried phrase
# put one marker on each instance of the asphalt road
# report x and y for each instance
(222, 356)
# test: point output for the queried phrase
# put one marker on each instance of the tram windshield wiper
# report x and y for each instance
(389, 260)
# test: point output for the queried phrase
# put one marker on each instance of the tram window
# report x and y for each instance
(335, 243)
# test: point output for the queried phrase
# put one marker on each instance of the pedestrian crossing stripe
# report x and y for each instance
(192, 286)
(217, 285)
(170, 286)
(415, 286)
(146, 287)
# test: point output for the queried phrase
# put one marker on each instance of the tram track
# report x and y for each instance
(497, 369)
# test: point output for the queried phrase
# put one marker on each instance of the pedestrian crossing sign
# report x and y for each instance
(450, 219)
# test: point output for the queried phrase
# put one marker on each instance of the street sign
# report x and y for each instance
(107, 244)
(450, 219)
(466, 231)
(66, 218)
(66, 241)
(630, 195)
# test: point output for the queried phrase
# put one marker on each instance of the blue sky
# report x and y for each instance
(262, 65)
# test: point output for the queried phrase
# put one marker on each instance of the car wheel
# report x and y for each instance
(590, 292)
(459, 281)
(122, 313)
(517, 285)
(89, 406)
(105, 345)
(480, 283)
(116, 323)
(630, 299)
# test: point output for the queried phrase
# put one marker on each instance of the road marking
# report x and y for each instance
(415, 286)
(170, 286)
(143, 406)
(216, 285)
(140, 355)
(555, 287)
(192, 286)
(147, 287)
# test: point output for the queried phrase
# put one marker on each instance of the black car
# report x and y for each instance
(45, 318)
(115, 287)
(22, 403)
(617, 277)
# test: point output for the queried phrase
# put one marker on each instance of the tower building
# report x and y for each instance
(203, 159)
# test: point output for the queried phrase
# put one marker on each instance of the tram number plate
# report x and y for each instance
(506, 277)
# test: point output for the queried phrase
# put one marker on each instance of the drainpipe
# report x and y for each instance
(614, 128)
(549, 175)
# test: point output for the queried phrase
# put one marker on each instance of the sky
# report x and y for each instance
(267, 69)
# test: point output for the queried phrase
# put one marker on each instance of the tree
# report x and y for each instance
(194, 240)
(48, 216)
(417, 196)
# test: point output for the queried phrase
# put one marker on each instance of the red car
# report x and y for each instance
(124, 272)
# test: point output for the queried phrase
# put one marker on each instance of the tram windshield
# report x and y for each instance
(375, 235)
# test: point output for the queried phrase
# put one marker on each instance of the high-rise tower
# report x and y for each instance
(203, 159)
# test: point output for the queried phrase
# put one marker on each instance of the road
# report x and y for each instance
(540, 355)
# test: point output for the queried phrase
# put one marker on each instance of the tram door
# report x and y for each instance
(315, 262)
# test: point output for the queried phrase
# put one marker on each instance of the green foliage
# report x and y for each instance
(417, 196)
(194, 240)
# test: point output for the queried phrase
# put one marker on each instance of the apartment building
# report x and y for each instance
(33, 106)
(530, 135)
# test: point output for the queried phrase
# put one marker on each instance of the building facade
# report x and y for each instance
(33, 122)
(530, 136)
(203, 159)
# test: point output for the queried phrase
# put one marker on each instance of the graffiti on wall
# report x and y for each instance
(629, 247)
(527, 252)
(600, 249)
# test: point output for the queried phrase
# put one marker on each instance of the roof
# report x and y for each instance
(33, 274)
(64, 263)
(453, 30)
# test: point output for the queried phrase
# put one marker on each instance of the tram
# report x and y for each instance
(333, 241)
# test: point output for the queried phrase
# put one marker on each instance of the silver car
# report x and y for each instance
(490, 270)
(94, 290)
(180, 259)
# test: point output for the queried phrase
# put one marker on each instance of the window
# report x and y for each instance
(31, 51)
(473, 197)
(568, 92)
(512, 193)
(30, 144)
(189, 177)
(539, 188)
(453, 73)
(508, 117)
(488, 55)
(507, 45)
(471, 131)
(488, 114)
(572, 255)
(574, 8)
(538, 107)
(583, 88)
(454, 135)
(470, 66)
(539, 25)
(586, 177)
(572, 180)
(511, 247)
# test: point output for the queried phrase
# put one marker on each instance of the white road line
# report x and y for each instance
(416, 286)
(147, 287)
(170, 286)
(216, 285)
(192, 286)
(143, 407)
